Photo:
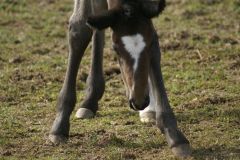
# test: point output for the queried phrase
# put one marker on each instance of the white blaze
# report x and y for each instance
(134, 45)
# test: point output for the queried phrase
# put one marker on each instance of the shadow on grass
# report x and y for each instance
(217, 152)
(109, 140)
(117, 142)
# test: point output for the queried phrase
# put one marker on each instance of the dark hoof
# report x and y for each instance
(84, 113)
(182, 151)
(57, 139)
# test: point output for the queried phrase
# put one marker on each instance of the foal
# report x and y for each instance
(136, 44)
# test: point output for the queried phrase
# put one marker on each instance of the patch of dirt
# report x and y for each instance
(7, 22)
(209, 59)
(2, 60)
(129, 123)
(6, 153)
(235, 65)
(8, 150)
(197, 37)
(215, 100)
(213, 58)
(214, 39)
(17, 59)
(129, 156)
(234, 57)
(20, 76)
(42, 51)
(227, 40)
(175, 45)
(7, 99)
(230, 40)
(188, 14)
(110, 139)
(184, 34)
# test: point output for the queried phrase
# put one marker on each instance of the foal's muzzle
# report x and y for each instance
(137, 107)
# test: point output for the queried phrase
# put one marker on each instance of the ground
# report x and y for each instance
(201, 67)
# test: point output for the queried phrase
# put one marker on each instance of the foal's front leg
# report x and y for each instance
(79, 37)
(165, 119)
(95, 81)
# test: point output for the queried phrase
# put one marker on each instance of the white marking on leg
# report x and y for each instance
(134, 45)
(150, 107)
(152, 104)
(148, 115)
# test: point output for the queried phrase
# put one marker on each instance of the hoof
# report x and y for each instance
(148, 117)
(57, 139)
(182, 151)
(84, 113)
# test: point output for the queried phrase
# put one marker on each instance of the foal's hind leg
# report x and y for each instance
(165, 118)
(95, 79)
(79, 38)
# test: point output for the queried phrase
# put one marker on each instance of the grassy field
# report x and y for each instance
(200, 41)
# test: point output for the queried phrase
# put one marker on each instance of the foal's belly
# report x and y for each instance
(99, 6)
(113, 3)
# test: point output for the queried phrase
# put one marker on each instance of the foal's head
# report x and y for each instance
(130, 21)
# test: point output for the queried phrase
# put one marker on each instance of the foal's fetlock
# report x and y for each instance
(182, 150)
(178, 142)
(175, 137)
(57, 139)
(60, 130)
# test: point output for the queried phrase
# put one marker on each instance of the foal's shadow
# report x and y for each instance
(216, 152)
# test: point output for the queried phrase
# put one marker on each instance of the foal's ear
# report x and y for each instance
(153, 8)
(102, 21)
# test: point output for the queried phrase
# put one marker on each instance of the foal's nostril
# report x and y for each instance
(136, 107)
(146, 102)
(132, 105)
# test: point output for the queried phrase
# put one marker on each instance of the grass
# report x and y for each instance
(201, 67)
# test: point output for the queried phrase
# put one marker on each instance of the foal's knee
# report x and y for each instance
(78, 28)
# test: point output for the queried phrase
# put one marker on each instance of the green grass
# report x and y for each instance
(201, 67)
